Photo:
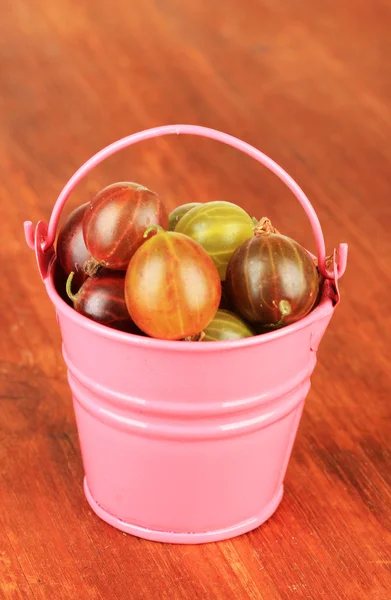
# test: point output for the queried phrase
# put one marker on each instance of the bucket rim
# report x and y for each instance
(325, 307)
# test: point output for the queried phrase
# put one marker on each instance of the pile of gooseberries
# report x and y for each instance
(205, 272)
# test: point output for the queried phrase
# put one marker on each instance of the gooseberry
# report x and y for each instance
(176, 215)
(225, 325)
(115, 221)
(220, 227)
(225, 302)
(71, 249)
(271, 279)
(102, 299)
(172, 287)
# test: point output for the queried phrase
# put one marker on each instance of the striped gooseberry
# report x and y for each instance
(71, 249)
(220, 227)
(176, 215)
(172, 287)
(271, 279)
(115, 221)
(102, 299)
(225, 325)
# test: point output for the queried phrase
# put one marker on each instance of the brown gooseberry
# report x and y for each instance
(271, 279)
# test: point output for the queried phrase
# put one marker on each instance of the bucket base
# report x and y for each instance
(185, 538)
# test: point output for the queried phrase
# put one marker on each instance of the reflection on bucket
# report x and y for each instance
(190, 442)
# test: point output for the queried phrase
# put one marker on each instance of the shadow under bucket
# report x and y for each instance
(186, 442)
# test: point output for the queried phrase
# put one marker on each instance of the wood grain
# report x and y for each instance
(308, 83)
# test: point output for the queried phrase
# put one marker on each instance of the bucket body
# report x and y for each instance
(186, 442)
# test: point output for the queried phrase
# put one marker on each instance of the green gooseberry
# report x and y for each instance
(225, 325)
(220, 227)
(176, 215)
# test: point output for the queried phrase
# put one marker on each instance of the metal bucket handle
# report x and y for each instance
(41, 239)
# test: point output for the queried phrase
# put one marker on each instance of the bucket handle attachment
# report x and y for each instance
(41, 239)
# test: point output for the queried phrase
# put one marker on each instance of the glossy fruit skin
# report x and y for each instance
(176, 215)
(225, 325)
(172, 287)
(71, 249)
(102, 299)
(59, 280)
(225, 302)
(272, 280)
(115, 222)
(220, 227)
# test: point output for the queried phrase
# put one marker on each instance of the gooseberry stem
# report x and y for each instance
(151, 228)
(198, 337)
(285, 308)
(68, 285)
(264, 227)
(328, 261)
(91, 267)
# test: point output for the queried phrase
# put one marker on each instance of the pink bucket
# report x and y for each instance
(186, 442)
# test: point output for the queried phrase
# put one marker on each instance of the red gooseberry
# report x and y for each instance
(102, 299)
(71, 249)
(115, 221)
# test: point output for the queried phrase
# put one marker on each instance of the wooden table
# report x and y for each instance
(308, 83)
